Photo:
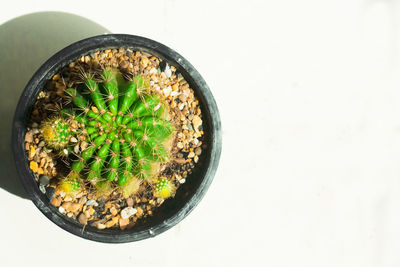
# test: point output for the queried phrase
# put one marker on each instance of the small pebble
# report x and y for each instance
(145, 61)
(83, 200)
(191, 155)
(124, 64)
(180, 160)
(82, 219)
(129, 202)
(167, 91)
(73, 140)
(182, 181)
(123, 223)
(196, 123)
(91, 202)
(29, 137)
(42, 189)
(113, 211)
(100, 226)
(139, 212)
(174, 93)
(197, 151)
(168, 71)
(128, 212)
(182, 97)
(61, 210)
(56, 201)
(153, 71)
(44, 180)
(50, 193)
(34, 166)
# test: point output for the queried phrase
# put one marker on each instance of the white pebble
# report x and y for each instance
(61, 210)
(62, 194)
(191, 155)
(174, 93)
(167, 91)
(73, 139)
(91, 202)
(196, 141)
(182, 181)
(153, 71)
(181, 106)
(42, 189)
(168, 71)
(128, 212)
(65, 151)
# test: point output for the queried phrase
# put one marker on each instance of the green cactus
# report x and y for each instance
(125, 126)
(163, 188)
(56, 132)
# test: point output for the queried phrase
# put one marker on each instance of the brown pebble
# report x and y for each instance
(197, 151)
(113, 211)
(124, 64)
(175, 87)
(129, 202)
(112, 222)
(82, 219)
(123, 223)
(29, 137)
(139, 212)
(75, 207)
(197, 122)
(182, 97)
(56, 201)
(100, 226)
(180, 160)
(67, 205)
(34, 166)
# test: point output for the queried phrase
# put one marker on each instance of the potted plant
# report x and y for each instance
(116, 138)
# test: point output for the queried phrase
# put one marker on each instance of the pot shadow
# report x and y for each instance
(26, 42)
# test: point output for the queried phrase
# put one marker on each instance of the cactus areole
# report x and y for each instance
(126, 131)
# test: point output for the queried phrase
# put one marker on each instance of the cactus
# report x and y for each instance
(56, 132)
(163, 188)
(125, 126)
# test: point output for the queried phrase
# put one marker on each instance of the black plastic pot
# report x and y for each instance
(189, 194)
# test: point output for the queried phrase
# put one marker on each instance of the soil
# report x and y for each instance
(115, 211)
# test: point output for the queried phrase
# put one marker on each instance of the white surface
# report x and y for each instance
(309, 98)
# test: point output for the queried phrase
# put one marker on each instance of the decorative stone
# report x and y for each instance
(44, 180)
(128, 212)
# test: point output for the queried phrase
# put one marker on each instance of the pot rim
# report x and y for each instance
(57, 62)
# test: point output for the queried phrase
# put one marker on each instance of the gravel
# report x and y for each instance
(114, 211)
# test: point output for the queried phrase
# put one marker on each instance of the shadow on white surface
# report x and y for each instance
(26, 42)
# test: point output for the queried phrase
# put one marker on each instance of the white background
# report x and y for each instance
(309, 98)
